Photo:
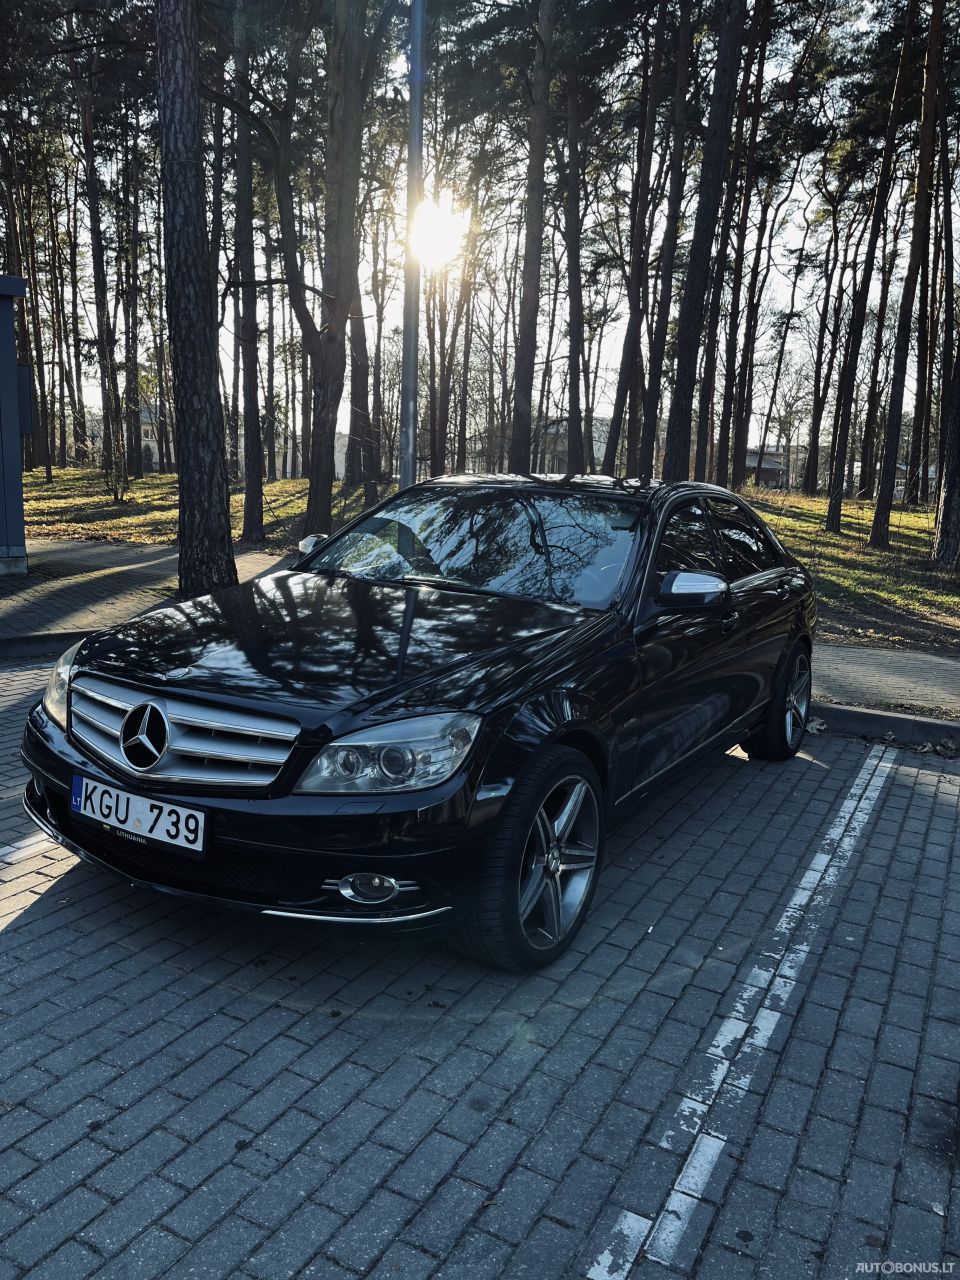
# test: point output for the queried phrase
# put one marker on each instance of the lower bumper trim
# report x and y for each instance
(316, 915)
(65, 842)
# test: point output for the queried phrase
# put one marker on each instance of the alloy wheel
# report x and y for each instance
(559, 862)
(798, 700)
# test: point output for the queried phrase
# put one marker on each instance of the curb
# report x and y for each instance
(45, 644)
(865, 722)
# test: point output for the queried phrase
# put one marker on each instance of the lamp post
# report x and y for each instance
(15, 420)
(411, 270)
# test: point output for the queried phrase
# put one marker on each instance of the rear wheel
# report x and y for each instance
(782, 735)
(541, 869)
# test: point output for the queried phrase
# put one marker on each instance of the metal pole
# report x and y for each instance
(13, 422)
(411, 270)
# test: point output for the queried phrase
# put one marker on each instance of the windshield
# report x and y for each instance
(566, 547)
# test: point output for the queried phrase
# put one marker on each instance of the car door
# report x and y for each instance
(762, 591)
(687, 658)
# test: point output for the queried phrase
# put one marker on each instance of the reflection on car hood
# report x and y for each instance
(328, 643)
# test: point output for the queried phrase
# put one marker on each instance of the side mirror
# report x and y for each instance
(310, 543)
(694, 589)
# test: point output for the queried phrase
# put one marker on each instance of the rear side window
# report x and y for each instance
(685, 543)
(744, 546)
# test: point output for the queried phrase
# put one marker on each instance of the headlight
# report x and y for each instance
(55, 695)
(404, 755)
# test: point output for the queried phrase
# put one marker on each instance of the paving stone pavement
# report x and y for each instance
(897, 678)
(746, 1067)
(77, 586)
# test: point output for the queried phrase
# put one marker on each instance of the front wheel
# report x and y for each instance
(542, 865)
(781, 736)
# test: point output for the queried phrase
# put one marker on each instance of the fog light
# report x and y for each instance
(368, 886)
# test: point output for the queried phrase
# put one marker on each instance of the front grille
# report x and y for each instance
(264, 877)
(209, 746)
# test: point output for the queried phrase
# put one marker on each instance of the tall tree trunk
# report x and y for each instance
(270, 410)
(861, 294)
(880, 528)
(946, 546)
(131, 366)
(246, 284)
(80, 442)
(379, 289)
(526, 350)
(206, 551)
(911, 492)
(634, 394)
(639, 243)
(868, 452)
(216, 197)
(825, 359)
(463, 407)
(788, 320)
(708, 377)
(948, 386)
(576, 460)
(345, 96)
(58, 326)
(360, 400)
(933, 323)
(668, 246)
(676, 461)
(740, 427)
(41, 430)
(113, 451)
(734, 327)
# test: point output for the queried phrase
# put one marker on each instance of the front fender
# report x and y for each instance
(558, 716)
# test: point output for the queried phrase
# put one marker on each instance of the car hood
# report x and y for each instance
(326, 644)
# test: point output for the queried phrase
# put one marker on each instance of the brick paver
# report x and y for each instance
(747, 1066)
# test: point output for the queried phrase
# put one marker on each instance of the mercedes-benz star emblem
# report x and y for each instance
(144, 735)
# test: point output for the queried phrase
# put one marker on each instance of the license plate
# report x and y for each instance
(138, 818)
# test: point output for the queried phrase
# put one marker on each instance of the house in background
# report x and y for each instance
(900, 487)
(773, 471)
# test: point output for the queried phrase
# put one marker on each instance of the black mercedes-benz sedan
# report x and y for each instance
(433, 717)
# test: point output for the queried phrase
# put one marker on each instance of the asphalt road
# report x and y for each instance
(748, 1065)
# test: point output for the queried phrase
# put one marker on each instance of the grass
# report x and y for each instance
(78, 505)
(893, 598)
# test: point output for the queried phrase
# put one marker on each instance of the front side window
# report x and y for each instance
(685, 543)
(567, 547)
(744, 546)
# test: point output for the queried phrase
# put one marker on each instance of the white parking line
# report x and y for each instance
(737, 1046)
(615, 1262)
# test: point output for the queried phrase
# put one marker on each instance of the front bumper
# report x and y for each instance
(279, 855)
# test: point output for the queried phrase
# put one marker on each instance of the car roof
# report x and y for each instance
(647, 490)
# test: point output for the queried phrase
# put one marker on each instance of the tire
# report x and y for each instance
(538, 879)
(781, 736)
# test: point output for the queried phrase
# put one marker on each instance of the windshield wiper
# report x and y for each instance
(341, 573)
(459, 584)
(438, 580)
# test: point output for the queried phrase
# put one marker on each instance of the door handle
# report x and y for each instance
(783, 590)
(730, 621)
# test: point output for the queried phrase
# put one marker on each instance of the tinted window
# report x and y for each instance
(567, 547)
(685, 543)
(744, 546)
